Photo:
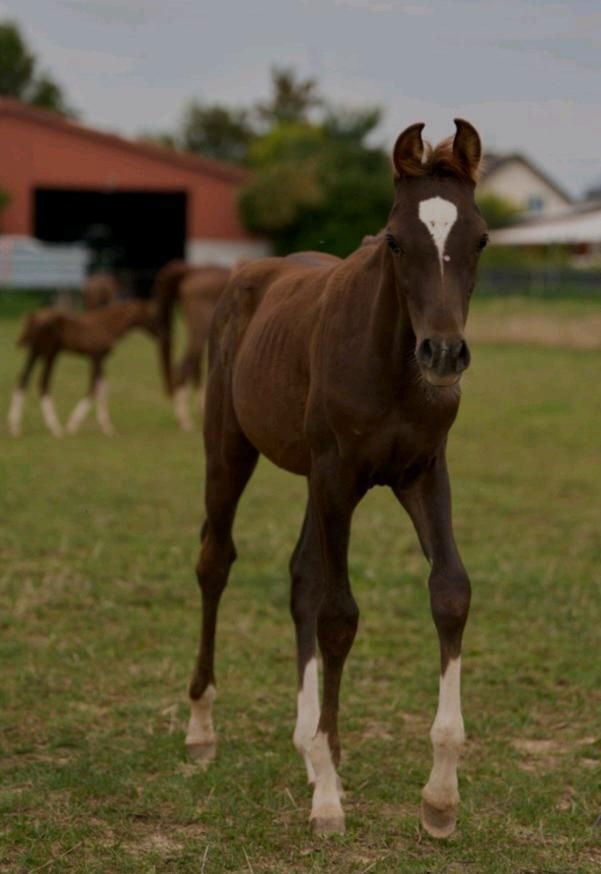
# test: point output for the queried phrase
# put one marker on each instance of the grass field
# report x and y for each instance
(99, 616)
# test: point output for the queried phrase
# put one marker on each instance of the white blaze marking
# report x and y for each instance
(80, 411)
(439, 216)
(102, 410)
(50, 417)
(307, 718)
(326, 795)
(447, 739)
(200, 727)
(15, 413)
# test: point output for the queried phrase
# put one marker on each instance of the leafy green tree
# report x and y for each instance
(318, 186)
(19, 77)
(216, 132)
(498, 212)
(292, 99)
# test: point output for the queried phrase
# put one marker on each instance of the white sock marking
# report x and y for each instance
(102, 411)
(307, 718)
(80, 411)
(180, 407)
(439, 216)
(326, 795)
(50, 417)
(15, 413)
(200, 726)
(447, 740)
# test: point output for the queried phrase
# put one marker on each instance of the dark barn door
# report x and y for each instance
(144, 229)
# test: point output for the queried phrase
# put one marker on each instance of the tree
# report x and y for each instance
(318, 186)
(291, 100)
(19, 77)
(216, 132)
(498, 212)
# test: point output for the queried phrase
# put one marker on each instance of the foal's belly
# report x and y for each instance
(270, 387)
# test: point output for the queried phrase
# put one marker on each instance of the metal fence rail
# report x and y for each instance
(548, 282)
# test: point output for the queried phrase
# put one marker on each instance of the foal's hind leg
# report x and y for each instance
(428, 503)
(83, 406)
(230, 462)
(100, 390)
(15, 413)
(307, 589)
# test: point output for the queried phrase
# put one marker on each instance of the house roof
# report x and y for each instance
(181, 160)
(579, 224)
(493, 162)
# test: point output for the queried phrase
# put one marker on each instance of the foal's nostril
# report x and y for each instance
(425, 353)
(462, 357)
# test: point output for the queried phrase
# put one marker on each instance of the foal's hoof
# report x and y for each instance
(438, 823)
(203, 753)
(327, 825)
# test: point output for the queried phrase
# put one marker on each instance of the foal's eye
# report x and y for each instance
(482, 242)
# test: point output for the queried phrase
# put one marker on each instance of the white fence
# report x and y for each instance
(27, 263)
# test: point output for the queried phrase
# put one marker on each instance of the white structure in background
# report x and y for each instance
(27, 263)
(578, 228)
(516, 179)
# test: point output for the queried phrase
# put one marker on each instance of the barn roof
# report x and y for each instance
(493, 162)
(182, 160)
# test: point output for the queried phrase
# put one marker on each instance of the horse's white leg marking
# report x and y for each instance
(80, 411)
(439, 216)
(102, 411)
(200, 737)
(307, 715)
(441, 792)
(180, 407)
(326, 809)
(15, 413)
(50, 417)
(202, 396)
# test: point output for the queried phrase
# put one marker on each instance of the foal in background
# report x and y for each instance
(197, 290)
(347, 373)
(48, 332)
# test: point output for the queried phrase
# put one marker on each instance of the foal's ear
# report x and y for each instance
(408, 151)
(467, 148)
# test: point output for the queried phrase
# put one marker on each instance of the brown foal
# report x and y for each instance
(347, 373)
(48, 332)
(197, 289)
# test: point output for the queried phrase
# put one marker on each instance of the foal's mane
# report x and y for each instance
(439, 160)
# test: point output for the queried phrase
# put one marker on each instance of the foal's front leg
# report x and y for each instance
(51, 419)
(333, 498)
(428, 503)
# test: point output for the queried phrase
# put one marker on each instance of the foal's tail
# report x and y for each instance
(165, 292)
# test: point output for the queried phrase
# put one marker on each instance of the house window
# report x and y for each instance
(535, 203)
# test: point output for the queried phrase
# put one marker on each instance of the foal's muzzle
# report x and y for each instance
(443, 360)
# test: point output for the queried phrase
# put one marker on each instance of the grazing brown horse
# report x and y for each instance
(197, 289)
(48, 332)
(347, 373)
(99, 290)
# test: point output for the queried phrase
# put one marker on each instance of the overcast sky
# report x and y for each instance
(527, 73)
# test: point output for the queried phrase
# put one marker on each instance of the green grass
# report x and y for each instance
(99, 615)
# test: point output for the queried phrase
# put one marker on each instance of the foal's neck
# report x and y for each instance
(389, 323)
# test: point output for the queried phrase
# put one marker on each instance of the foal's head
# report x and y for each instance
(436, 233)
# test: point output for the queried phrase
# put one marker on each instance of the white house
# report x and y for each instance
(516, 179)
